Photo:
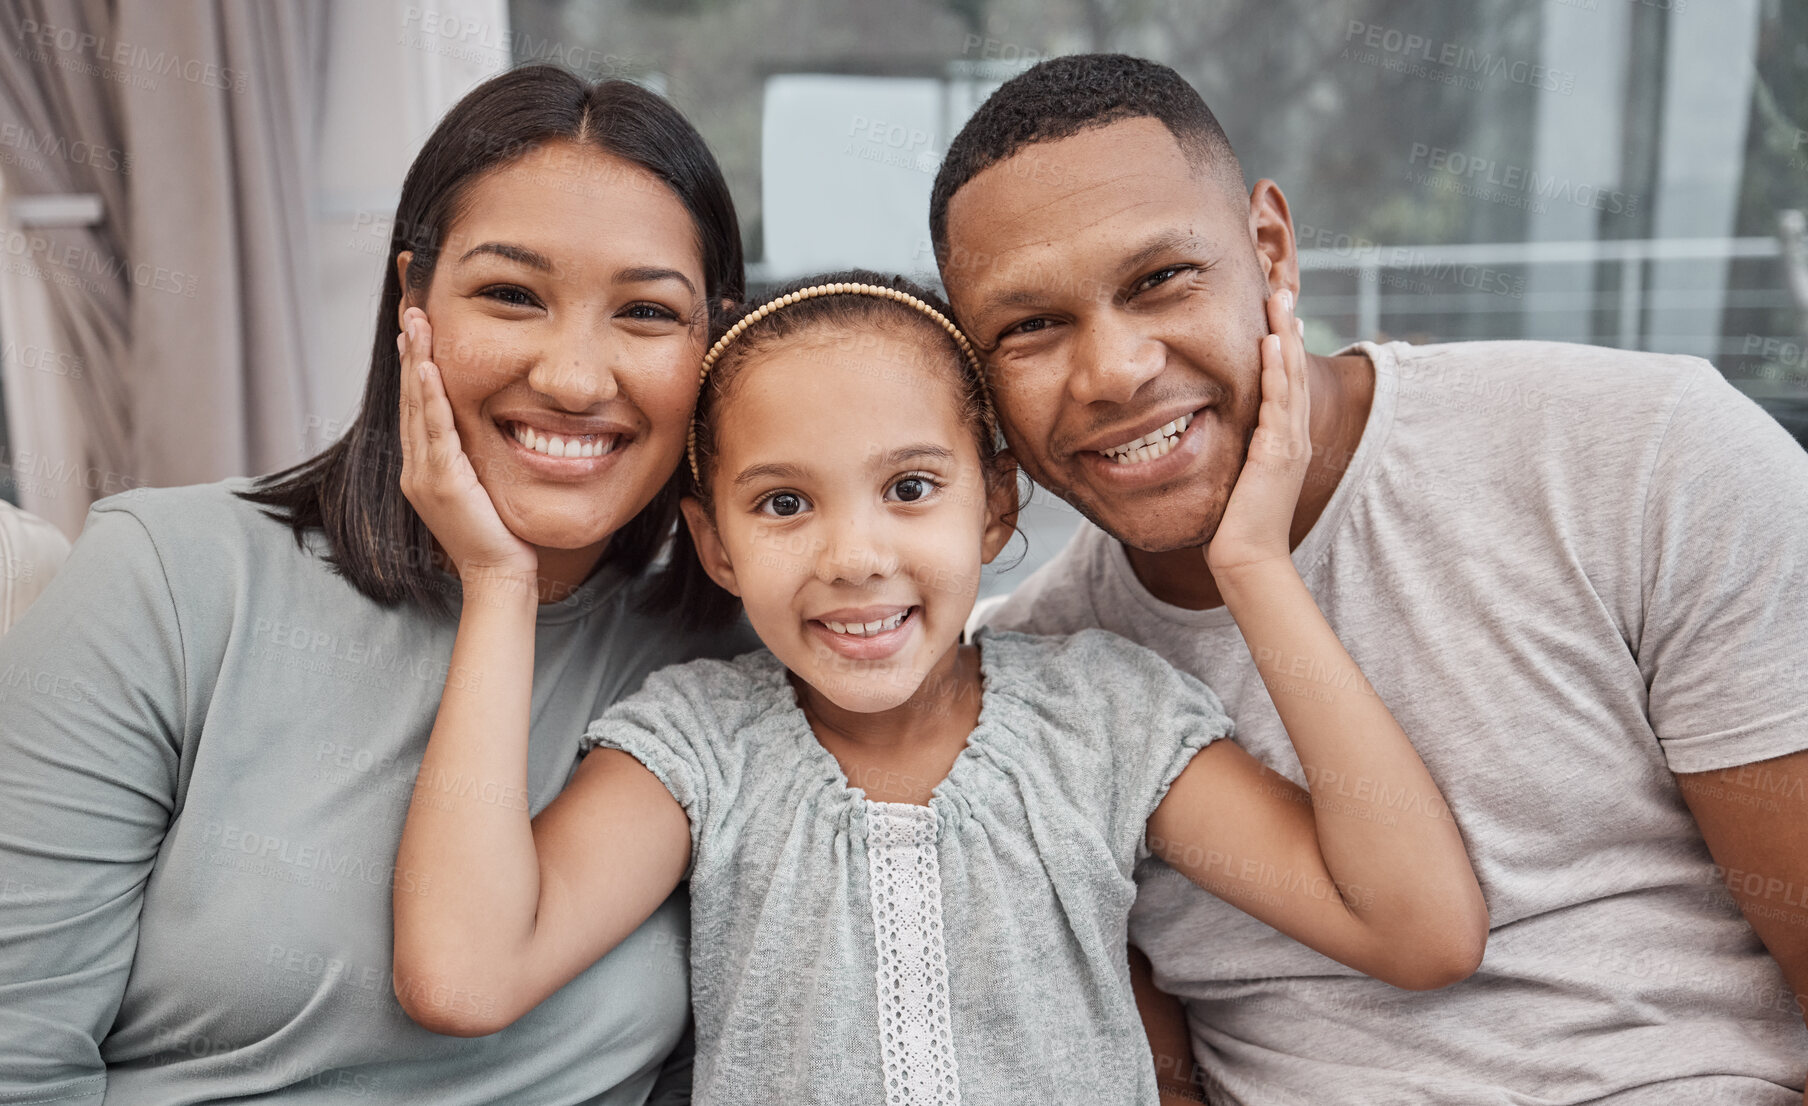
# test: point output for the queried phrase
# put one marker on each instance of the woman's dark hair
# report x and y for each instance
(351, 491)
(856, 313)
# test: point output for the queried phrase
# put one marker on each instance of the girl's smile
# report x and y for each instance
(872, 633)
(852, 514)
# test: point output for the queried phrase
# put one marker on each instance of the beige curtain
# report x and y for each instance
(64, 304)
(220, 205)
(186, 308)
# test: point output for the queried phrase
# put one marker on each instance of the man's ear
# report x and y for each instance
(401, 268)
(1271, 233)
(1002, 506)
(709, 544)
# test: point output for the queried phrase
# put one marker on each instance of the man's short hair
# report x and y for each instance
(1061, 97)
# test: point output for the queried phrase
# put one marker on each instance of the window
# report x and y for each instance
(1622, 172)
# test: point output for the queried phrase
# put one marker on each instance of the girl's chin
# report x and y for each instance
(861, 687)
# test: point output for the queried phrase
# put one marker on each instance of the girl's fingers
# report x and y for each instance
(436, 418)
(423, 425)
(408, 401)
(1287, 333)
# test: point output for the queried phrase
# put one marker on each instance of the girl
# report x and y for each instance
(910, 857)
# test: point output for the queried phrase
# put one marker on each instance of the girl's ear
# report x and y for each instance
(709, 544)
(1001, 506)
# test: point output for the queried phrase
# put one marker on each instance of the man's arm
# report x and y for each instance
(1164, 1021)
(1755, 820)
(1724, 560)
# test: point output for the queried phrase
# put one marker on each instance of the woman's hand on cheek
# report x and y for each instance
(437, 476)
(1258, 520)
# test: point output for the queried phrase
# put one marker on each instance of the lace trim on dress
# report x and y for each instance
(916, 1032)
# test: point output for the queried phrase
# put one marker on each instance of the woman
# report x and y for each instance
(212, 722)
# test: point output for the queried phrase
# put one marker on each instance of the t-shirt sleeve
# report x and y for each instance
(670, 726)
(1724, 641)
(91, 718)
(1158, 719)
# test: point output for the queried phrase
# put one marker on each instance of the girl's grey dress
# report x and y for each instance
(850, 951)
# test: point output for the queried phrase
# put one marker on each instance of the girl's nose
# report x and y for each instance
(853, 553)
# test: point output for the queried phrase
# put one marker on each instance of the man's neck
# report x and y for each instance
(1342, 389)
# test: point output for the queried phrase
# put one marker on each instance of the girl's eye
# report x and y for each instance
(510, 294)
(649, 311)
(783, 504)
(914, 488)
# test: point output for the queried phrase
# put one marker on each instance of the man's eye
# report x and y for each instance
(510, 294)
(1028, 326)
(783, 504)
(1159, 277)
(913, 489)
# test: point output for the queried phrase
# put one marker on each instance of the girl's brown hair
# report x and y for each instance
(855, 313)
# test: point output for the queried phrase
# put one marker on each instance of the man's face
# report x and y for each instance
(1118, 293)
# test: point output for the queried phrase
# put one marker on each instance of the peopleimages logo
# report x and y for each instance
(1488, 178)
(1452, 58)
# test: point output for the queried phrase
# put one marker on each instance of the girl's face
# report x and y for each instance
(568, 317)
(851, 511)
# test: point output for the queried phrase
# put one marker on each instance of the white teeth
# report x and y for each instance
(1156, 443)
(867, 629)
(552, 445)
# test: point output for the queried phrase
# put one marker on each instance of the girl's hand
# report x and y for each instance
(438, 478)
(1259, 517)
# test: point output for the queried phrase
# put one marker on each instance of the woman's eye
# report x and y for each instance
(783, 504)
(913, 489)
(510, 294)
(649, 311)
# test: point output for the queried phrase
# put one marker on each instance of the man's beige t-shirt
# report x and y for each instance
(1571, 572)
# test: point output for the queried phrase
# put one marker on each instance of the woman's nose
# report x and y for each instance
(578, 370)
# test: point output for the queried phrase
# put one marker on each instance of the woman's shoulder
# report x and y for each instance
(197, 516)
(207, 542)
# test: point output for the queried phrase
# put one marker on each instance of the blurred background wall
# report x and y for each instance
(198, 194)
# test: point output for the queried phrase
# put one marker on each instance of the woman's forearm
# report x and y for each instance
(1383, 828)
(468, 845)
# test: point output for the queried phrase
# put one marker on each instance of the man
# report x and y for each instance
(1578, 576)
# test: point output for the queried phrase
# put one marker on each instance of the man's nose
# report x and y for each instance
(1113, 360)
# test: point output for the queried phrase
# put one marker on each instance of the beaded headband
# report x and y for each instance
(810, 293)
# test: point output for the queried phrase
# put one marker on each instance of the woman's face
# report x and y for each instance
(568, 318)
